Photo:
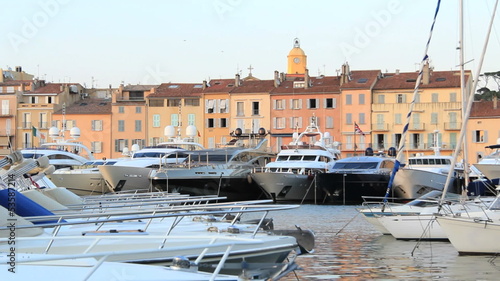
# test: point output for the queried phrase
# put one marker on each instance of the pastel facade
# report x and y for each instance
(217, 107)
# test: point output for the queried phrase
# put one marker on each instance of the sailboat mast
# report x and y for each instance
(469, 103)
(463, 93)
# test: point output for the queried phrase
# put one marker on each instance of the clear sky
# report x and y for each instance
(103, 42)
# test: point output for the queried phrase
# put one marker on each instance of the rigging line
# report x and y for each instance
(402, 141)
(349, 222)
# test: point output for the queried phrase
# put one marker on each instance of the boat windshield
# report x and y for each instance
(355, 165)
(32, 155)
(430, 161)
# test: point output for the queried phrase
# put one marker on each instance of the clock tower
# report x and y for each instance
(297, 59)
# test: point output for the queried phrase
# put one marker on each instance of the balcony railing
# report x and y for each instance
(130, 99)
(377, 127)
(452, 126)
(6, 113)
(26, 125)
(43, 125)
(416, 127)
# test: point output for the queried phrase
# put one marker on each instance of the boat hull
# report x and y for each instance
(82, 184)
(413, 183)
(287, 186)
(125, 178)
(349, 187)
(413, 227)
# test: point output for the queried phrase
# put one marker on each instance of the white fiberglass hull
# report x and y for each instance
(81, 183)
(287, 186)
(491, 170)
(413, 183)
(123, 178)
(409, 227)
(471, 236)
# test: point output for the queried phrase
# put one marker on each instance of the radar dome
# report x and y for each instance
(191, 131)
(169, 131)
(262, 131)
(238, 132)
(125, 151)
(74, 132)
(135, 147)
(326, 135)
(53, 132)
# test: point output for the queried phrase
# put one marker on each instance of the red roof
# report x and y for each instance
(407, 80)
(178, 90)
(219, 85)
(254, 86)
(322, 84)
(482, 109)
(361, 79)
(88, 106)
(50, 88)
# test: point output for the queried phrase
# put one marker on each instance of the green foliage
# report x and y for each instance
(485, 93)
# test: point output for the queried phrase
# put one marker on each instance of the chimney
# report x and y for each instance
(426, 74)
(282, 77)
(397, 71)
(306, 79)
(495, 102)
(19, 69)
(276, 79)
(237, 80)
(345, 75)
(204, 84)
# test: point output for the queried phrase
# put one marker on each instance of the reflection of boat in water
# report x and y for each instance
(291, 175)
(354, 177)
(133, 173)
(221, 171)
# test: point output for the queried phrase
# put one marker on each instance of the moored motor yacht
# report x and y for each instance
(291, 175)
(357, 176)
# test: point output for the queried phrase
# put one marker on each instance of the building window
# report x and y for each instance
(120, 144)
(453, 97)
(96, 125)
(255, 108)
(138, 125)
(121, 125)
(295, 104)
(381, 99)
(121, 109)
(50, 99)
(401, 98)
(329, 122)
(279, 104)
(223, 122)
(435, 97)
(139, 142)
(415, 141)
(361, 98)
(192, 102)
(224, 106)
(173, 102)
(279, 122)
(156, 120)
(96, 146)
(240, 109)
(312, 103)
(330, 103)
(434, 118)
(397, 119)
(174, 119)
(210, 106)
(348, 118)
(296, 122)
(138, 109)
(362, 118)
(191, 119)
(479, 136)
(34, 99)
(156, 103)
(210, 123)
(348, 99)
(43, 121)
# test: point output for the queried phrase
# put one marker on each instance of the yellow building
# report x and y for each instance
(482, 129)
(217, 110)
(437, 111)
(175, 104)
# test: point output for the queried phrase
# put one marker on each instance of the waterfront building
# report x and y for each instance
(482, 129)
(215, 132)
(128, 117)
(93, 118)
(175, 104)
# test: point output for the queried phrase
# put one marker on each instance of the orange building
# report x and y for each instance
(93, 118)
(216, 97)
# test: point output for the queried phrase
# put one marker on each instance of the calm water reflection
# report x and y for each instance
(349, 248)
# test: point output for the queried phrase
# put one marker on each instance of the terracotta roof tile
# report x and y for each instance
(178, 90)
(254, 86)
(16, 82)
(88, 106)
(406, 80)
(50, 88)
(323, 84)
(361, 79)
(139, 87)
(219, 85)
(481, 109)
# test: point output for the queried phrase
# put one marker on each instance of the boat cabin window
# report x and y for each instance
(32, 155)
(282, 158)
(324, 159)
(356, 165)
(295, 158)
(309, 158)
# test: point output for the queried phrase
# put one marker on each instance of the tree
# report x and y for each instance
(485, 93)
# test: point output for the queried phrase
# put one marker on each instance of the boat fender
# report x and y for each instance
(249, 179)
(213, 229)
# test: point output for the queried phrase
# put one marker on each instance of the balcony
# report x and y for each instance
(123, 99)
(26, 125)
(7, 113)
(452, 126)
(43, 125)
(416, 127)
(380, 127)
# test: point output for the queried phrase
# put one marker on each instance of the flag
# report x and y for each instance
(35, 131)
(357, 129)
(199, 135)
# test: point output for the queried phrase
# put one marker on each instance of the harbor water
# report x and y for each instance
(349, 248)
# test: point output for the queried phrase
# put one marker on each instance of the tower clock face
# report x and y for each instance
(296, 60)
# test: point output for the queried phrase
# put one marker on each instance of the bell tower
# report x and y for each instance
(297, 59)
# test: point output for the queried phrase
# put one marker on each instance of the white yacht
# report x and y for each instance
(62, 153)
(223, 171)
(489, 165)
(133, 173)
(291, 176)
